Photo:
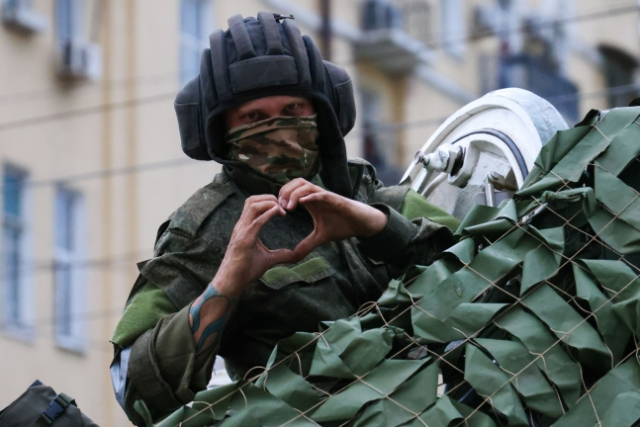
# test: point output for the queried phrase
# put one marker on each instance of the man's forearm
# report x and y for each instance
(207, 317)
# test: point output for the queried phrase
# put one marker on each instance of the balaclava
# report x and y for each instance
(279, 148)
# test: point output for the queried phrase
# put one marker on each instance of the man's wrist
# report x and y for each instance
(392, 239)
(378, 221)
(227, 285)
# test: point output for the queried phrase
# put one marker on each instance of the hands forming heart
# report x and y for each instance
(335, 218)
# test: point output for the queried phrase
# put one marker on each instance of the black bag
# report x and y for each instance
(40, 406)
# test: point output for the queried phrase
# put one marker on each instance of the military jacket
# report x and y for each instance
(331, 283)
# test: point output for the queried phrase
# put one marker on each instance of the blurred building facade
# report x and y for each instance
(90, 154)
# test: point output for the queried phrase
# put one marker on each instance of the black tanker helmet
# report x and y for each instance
(262, 57)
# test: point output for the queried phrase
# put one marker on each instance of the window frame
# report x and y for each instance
(453, 27)
(20, 326)
(191, 46)
(71, 257)
(74, 21)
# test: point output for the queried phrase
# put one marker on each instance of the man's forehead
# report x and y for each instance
(270, 102)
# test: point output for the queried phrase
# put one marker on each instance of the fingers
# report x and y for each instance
(326, 204)
(257, 210)
(254, 206)
(358, 219)
(260, 198)
(317, 197)
(282, 256)
(287, 189)
(301, 192)
(266, 216)
(294, 190)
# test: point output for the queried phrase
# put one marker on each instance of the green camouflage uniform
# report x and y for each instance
(331, 283)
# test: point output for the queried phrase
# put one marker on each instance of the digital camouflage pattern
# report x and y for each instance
(280, 148)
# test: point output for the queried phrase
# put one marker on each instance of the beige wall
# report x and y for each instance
(140, 41)
(140, 61)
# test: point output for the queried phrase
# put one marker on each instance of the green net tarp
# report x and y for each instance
(532, 319)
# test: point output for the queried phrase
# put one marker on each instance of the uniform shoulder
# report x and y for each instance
(188, 218)
(363, 178)
(362, 166)
(370, 190)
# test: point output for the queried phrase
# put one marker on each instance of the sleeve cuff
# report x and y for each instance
(174, 337)
(145, 377)
(162, 357)
(392, 239)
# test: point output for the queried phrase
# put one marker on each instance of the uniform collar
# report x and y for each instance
(253, 183)
(250, 182)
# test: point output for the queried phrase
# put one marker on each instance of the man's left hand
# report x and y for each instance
(335, 217)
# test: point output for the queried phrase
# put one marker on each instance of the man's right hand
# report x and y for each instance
(247, 259)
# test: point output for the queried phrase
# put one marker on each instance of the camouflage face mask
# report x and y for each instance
(280, 148)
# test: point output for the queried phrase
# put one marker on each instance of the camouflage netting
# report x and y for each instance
(533, 319)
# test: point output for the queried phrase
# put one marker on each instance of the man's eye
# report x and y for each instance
(291, 109)
(251, 117)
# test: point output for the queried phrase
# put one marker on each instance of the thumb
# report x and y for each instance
(308, 244)
(283, 256)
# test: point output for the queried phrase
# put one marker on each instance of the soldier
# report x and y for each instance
(288, 235)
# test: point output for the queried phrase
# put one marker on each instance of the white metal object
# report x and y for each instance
(440, 161)
(484, 151)
(219, 376)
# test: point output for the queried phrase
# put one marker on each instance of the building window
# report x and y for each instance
(379, 144)
(69, 283)
(453, 27)
(371, 120)
(68, 21)
(79, 57)
(417, 17)
(620, 70)
(195, 27)
(380, 15)
(16, 307)
(19, 16)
